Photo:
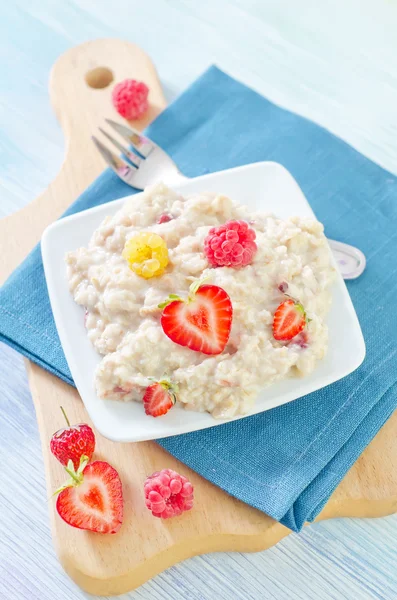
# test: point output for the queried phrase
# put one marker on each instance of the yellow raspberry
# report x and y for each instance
(146, 254)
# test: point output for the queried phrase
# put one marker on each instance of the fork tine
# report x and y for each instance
(134, 158)
(139, 142)
(122, 169)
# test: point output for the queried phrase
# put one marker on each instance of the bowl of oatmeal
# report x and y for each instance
(133, 254)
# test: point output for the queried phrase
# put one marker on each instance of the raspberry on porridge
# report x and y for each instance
(289, 265)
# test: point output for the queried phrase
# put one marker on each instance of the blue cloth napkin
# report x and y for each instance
(287, 461)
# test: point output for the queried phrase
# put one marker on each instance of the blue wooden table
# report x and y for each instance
(334, 62)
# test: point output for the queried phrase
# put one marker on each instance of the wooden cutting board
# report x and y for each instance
(80, 89)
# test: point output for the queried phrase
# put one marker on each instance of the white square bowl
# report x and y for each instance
(265, 186)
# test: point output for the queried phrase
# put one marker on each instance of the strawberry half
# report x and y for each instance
(93, 498)
(289, 320)
(202, 322)
(159, 398)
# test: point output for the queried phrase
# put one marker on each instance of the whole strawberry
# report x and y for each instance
(73, 442)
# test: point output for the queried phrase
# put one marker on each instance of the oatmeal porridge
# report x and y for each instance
(284, 266)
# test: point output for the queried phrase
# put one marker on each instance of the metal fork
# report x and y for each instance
(143, 163)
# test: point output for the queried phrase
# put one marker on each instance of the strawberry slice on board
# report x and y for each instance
(289, 320)
(93, 498)
(159, 398)
(202, 322)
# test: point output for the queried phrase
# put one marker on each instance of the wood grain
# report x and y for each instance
(110, 565)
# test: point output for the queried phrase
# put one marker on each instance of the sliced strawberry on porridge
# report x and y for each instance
(159, 398)
(202, 322)
(289, 320)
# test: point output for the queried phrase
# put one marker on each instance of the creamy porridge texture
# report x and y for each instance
(123, 317)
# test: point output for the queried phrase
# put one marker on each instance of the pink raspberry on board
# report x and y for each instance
(230, 245)
(130, 98)
(168, 494)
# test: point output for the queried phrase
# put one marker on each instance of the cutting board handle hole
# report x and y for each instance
(99, 78)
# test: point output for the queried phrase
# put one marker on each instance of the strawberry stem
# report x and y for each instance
(84, 460)
(195, 286)
(65, 415)
(76, 477)
(192, 291)
(170, 387)
(70, 471)
(171, 298)
(166, 383)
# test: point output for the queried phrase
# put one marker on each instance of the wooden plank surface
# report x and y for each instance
(347, 559)
(145, 546)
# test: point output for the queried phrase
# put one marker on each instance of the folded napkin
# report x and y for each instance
(287, 461)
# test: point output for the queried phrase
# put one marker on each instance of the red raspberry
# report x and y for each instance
(130, 98)
(168, 494)
(230, 245)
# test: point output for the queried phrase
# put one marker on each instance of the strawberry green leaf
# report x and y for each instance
(171, 298)
(196, 285)
(76, 477)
